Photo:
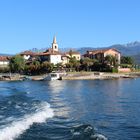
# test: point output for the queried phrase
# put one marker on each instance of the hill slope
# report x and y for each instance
(136, 58)
(126, 49)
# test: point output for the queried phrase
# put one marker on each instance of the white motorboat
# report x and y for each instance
(53, 76)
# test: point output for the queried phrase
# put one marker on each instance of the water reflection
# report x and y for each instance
(112, 91)
(112, 106)
(76, 94)
(56, 88)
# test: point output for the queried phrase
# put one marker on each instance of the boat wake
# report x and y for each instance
(87, 132)
(16, 128)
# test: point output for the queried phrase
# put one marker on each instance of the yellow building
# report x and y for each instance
(73, 54)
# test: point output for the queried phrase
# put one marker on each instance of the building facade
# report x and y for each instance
(101, 54)
(4, 61)
(52, 55)
(73, 54)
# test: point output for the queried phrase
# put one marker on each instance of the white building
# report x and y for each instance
(4, 61)
(52, 55)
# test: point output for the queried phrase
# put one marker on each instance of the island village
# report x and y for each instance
(92, 63)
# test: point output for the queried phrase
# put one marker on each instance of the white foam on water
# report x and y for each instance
(17, 106)
(16, 128)
(99, 137)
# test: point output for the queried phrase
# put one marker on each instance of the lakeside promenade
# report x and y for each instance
(99, 75)
(72, 76)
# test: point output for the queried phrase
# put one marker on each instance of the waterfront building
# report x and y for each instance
(4, 61)
(101, 54)
(52, 54)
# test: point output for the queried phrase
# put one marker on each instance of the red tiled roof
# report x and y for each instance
(27, 53)
(93, 52)
(85, 55)
(64, 55)
(4, 58)
(49, 52)
(102, 50)
(72, 52)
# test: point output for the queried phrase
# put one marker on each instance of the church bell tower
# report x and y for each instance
(54, 44)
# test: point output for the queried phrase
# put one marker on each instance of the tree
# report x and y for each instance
(17, 64)
(87, 63)
(36, 65)
(59, 66)
(111, 60)
(4, 69)
(47, 67)
(127, 60)
(33, 68)
(73, 65)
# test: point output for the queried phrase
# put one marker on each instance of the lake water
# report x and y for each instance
(70, 110)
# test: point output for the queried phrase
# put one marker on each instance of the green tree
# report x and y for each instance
(36, 65)
(87, 63)
(59, 66)
(17, 64)
(33, 68)
(111, 61)
(127, 60)
(4, 69)
(73, 65)
(47, 67)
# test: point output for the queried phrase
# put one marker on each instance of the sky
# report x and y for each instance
(27, 24)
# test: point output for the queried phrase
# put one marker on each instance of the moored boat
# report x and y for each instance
(54, 76)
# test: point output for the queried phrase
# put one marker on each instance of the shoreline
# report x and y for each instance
(100, 76)
(74, 76)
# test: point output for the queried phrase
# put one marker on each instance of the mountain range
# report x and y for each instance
(130, 49)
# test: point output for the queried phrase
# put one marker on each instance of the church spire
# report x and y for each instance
(54, 44)
(54, 40)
